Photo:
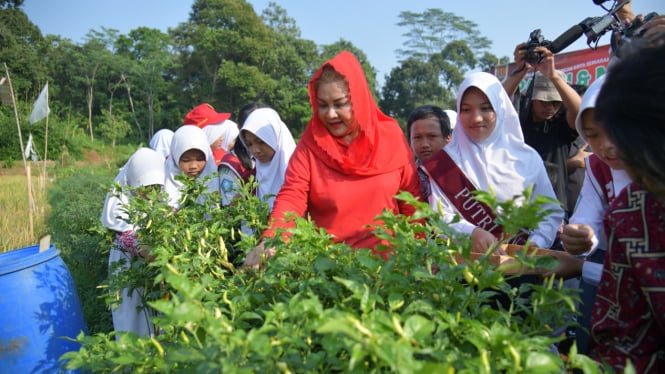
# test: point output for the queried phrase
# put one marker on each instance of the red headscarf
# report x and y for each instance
(380, 146)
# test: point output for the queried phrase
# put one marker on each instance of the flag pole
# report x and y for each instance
(26, 165)
(45, 141)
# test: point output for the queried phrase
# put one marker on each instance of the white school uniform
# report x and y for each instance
(145, 167)
(591, 206)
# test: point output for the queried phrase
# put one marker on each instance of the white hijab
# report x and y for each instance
(144, 168)
(185, 138)
(588, 101)
(452, 117)
(502, 162)
(620, 177)
(161, 142)
(266, 125)
(228, 129)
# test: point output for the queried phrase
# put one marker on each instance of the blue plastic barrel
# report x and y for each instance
(39, 306)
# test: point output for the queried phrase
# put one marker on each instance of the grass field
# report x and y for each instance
(14, 208)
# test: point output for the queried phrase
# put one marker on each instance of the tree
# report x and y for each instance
(229, 56)
(330, 50)
(61, 60)
(19, 50)
(218, 32)
(441, 48)
(276, 18)
(290, 62)
(453, 62)
(19, 40)
(96, 54)
(412, 84)
(488, 61)
(431, 30)
(113, 126)
(149, 50)
(11, 4)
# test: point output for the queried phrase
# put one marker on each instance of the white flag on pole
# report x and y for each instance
(40, 109)
(29, 151)
(28, 147)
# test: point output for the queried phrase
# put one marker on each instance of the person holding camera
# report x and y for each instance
(547, 110)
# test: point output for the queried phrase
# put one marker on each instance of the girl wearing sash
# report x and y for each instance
(487, 152)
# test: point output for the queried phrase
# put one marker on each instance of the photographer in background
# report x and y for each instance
(547, 109)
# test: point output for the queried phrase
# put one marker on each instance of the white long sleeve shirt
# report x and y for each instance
(590, 210)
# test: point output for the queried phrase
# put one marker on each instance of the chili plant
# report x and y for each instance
(320, 306)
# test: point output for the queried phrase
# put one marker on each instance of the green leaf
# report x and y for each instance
(539, 362)
(323, 264)
(187, 312)
(339, 326)
(419, 328)
(356, 288)
(250, 316)
(395, 301)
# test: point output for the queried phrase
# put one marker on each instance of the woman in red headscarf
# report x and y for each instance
(349, 164)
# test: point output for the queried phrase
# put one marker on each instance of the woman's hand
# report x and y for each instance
(576, 238)
(257, 256)
(482, 240)
(143, 251)
(569, 266)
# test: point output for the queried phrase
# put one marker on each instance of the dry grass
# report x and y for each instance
(14, 208)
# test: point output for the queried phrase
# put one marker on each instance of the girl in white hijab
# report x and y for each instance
(488, 146)
(144, 168)
(228, 131)
(191, 155)
(161, 142)
(604, 179)
(271, 144)
(221, 137)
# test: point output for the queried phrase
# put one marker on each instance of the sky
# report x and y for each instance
(370, 25)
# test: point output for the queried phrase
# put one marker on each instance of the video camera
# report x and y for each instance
(536, 39)
(593, 27)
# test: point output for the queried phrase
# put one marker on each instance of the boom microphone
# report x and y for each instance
(594, 28)
(566, 39)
